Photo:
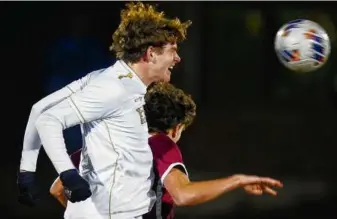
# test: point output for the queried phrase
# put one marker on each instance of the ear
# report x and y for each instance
(149, 54)
(176, 131)
(180, 128)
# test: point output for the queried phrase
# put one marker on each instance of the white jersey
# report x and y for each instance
(32, 141)
(116, 159)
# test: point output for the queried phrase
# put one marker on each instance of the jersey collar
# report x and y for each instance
(137, 78)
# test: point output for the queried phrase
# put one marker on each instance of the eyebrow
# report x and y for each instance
(174, 48)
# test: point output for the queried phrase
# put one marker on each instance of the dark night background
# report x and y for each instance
(254, 116)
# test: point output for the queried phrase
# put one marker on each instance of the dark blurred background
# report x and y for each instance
(254, 116)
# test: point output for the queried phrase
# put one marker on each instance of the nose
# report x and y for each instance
(177, 58)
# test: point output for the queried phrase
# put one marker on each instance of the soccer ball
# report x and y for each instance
(302, 45)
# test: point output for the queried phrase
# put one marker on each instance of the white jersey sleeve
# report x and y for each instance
(31, 141)
(98, 100)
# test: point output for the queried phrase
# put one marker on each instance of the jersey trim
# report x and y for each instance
(114, 171)
(167, 171)
(79, 114)
(71, 90)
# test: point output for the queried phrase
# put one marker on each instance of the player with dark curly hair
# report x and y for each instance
(108, 104)
(169, 111)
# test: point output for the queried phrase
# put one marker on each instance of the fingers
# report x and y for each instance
(259, 185)
(255, 192)
(260, 189)
(263, 182)
(269, 191)
(254, 189)
(270, 182)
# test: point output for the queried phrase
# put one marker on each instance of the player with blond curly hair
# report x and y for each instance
(116, 161)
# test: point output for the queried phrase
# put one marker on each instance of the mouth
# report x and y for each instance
(171, 68)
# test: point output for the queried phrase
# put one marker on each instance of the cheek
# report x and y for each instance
(168, 59)
(164, 61)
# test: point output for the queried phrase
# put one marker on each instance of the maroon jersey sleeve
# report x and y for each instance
(166, 155)
(76, 158)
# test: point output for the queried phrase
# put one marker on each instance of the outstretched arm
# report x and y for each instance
(184, 192)
(174, 176)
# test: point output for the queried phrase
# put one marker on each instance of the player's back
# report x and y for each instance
(116, 159)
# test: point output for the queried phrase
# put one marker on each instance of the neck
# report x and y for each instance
(169, 134)
(141, 71)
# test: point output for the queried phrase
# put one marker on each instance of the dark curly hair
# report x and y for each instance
(167, 106)
(142, 26)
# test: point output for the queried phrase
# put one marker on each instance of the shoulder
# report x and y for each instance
(166, 155)
(92, 75)
(162, 146)
(103, 95)
(107, 85)
(161, 140)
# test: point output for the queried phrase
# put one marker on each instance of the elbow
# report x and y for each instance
(183, 199)
(180, 202)
(56, 189)
(55, 192)
(38, 108)
(41, 121)
(46, 120)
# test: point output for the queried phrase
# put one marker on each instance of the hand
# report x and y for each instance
(75, 187)
(256, 185)
(28, 190)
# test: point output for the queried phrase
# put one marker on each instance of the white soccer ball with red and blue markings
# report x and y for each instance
(302, 45)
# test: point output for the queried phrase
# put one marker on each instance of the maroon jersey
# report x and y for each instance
(76, 158)
(166, 155)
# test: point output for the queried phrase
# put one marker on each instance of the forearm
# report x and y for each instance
(32, 141)
(99, 100)
(62, 199)
(50, 126)
(195, 193)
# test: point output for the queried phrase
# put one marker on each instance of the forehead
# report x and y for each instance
(169, 46)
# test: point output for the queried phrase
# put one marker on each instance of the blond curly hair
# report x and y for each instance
(143, 26)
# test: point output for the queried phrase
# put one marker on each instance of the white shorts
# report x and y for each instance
(97, 216)
(75, 211)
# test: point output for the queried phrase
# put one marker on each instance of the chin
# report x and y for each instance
(167, 77)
